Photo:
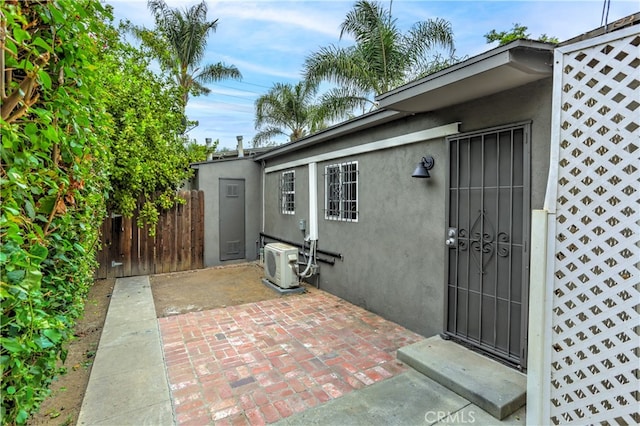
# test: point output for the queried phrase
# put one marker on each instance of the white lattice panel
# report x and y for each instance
(596, 302)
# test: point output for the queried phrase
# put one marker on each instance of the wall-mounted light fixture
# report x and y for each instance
(422, 170)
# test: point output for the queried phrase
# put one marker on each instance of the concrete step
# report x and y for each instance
(494, 387)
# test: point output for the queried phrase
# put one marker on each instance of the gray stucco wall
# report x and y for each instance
(207, 180)
(388, 266)
(394, 256)
(287, 224)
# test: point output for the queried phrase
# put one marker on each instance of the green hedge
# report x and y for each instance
(54, 183)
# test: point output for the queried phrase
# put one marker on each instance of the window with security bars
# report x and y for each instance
(288, 192)
(341, 192)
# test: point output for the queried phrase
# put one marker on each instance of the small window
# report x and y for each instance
(288, 192)
(341, 192)
(232, 191)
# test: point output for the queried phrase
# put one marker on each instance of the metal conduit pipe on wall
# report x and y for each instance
(282, 240)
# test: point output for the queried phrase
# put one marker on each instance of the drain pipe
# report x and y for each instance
(313, 219)
(313, 201)
(264, 178)
(259, 248)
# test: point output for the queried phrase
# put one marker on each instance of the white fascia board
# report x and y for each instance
(449, 78)
(419, 136)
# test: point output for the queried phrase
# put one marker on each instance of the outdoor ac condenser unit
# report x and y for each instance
(279, 261)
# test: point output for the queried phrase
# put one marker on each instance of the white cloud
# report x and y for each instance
(201, 107)
(253, 67)
(300, 16)
(216, 89)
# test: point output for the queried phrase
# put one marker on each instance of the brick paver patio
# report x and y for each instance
(261, 362)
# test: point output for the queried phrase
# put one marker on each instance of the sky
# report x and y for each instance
(268, 41)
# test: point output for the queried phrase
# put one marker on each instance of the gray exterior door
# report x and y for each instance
(487, 236)
(232, 219)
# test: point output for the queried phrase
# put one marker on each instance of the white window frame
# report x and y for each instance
(288, 192)
(341, 191)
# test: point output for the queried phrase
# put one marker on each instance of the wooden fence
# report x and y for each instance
(178, 245)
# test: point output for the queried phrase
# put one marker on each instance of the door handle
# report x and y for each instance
(452, 238)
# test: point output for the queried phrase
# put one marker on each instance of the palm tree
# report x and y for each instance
(382, 58)
(289, 110)
(179, 43)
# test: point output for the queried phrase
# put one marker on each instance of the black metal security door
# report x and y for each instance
(232, 219)
(489, 192)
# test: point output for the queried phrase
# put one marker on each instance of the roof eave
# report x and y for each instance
(504, 67)
(515, 64)
(356, 124)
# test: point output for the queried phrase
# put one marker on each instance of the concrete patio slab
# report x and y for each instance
(472, 414)
(111, 359)
(408, 399)
(153, 415)
(280, 290)
(128, 383)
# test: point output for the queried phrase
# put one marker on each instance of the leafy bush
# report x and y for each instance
(83, 123)
(150, 158)
(54, 180)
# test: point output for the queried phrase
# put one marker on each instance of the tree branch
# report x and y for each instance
(24, 93)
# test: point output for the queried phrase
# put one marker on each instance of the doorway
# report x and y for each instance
(487, 236)
(232, 219)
